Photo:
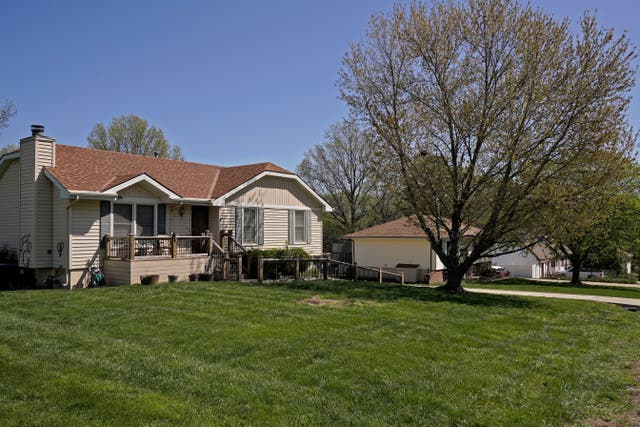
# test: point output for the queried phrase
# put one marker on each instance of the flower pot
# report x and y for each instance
(204, 277)
(150, 279)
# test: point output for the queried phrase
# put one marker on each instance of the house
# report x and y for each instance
(399, 246)
(535, 262)
(66, 207)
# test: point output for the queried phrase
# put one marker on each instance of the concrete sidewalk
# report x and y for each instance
(590, 283)
(627, 302)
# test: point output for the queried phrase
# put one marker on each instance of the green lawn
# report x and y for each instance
(232, 354)
(516, 284)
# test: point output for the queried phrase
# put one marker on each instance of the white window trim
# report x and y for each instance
(295, 226)
(255, 226)
(134, 212)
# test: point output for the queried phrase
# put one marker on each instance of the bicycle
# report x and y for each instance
(52, 281)
(96, 278)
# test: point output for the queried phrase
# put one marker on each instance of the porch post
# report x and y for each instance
(209, 243)
(325, 269)
(107, 246)
(174, 245)
(239, 268)
(260, 269)
(225, 269)
(132, 247)
(297, 276)
(379, 274)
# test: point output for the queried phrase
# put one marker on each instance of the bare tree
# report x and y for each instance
(344, 170)
(480, 107)
(132, 134)
(7, 111)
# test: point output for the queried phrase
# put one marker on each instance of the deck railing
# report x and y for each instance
(132, 247)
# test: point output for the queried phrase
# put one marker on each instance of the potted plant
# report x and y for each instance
(204, 277)
(150, 279)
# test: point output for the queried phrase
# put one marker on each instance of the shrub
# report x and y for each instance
(277, 253)
(8, 256)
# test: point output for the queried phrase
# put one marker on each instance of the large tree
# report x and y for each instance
(132, 134)
(480, 106)
(343, 169)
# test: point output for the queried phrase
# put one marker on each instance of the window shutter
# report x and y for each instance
(307, 226)
(239, 224)
(260, 226)
(105, 216)
(292, 226)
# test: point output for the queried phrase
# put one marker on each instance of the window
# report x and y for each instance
(121, 220)
(144, 220)
(126, 215)
(300, 227)
(249, 228)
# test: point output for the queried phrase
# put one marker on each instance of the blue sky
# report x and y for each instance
(230, 82)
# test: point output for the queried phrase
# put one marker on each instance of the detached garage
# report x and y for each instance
(399, 246)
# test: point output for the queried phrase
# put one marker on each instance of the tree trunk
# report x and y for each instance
(575, 273)
(454, 280)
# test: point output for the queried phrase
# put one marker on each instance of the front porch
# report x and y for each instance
(128, 259)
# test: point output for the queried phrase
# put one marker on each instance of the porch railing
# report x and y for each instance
(131, 247)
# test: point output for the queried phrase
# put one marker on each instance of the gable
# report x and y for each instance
(141, 190)
(275, 191)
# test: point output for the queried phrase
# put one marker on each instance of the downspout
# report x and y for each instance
(71, 203)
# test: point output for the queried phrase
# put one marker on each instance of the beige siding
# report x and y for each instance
(274, 191)
(85, 233)
(315, 247)
(27, 203)
(214, 221)
(60, 233)
(44, 217)
(118, 272)
(35, 202)
(43, 188)
(181, 225)
(228, 218)
(10, 206)
(388, 252)
(140, 191)
(276, 228)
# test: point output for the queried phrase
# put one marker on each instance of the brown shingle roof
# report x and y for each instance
(87, 169)
(403, 227)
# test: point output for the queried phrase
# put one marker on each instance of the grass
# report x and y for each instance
(517, 284)
(232, 354)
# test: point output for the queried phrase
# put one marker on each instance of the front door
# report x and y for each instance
(199, 224)
(199, 220)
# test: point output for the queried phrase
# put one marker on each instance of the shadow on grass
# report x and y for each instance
(393, 292)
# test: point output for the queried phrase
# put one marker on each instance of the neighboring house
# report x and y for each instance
(401, 246)
(59, 202)
(535, 262)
